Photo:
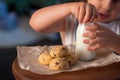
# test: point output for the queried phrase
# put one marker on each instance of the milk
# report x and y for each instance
(82, 51)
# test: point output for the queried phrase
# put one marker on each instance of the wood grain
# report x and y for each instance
(109, 72)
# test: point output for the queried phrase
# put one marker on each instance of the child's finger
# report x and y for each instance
(91, 35)
(92, 28)
(92, 42)
(95, 44)
(86, 41)
(82, 13)
(94, 15)
(99, 26)
(96, 47)
(85, 34)
(88, 14)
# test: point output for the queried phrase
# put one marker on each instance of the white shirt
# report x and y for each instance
(114, 26)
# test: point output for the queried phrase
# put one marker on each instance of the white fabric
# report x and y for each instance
(114, 26)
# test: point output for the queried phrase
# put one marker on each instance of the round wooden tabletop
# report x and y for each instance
(109, 72)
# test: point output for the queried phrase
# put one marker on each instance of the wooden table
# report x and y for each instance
(110, 72)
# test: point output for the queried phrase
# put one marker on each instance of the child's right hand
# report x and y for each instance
(84, 12)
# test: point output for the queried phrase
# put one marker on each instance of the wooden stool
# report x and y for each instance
(109, 72)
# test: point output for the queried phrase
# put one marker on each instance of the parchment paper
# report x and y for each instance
(28, 60)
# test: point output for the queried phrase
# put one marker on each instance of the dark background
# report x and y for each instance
(21, 9)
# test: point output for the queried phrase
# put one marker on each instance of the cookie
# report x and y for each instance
(58, 51)
(44, 58)
(71, 58)
(58, 64)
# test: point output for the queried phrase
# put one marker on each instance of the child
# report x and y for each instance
(106, 34)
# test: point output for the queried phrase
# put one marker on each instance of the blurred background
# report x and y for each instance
(15, 31)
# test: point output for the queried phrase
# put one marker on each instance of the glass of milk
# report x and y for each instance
(82, 51)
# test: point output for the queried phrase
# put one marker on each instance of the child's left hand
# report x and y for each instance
(100, 37)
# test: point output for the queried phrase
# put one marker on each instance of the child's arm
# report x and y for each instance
(50, 19)
(53, 18)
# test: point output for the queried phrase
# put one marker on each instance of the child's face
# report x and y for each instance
(107, 10)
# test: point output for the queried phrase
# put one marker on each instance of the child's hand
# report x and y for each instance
(85, 12)
(100, 37)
